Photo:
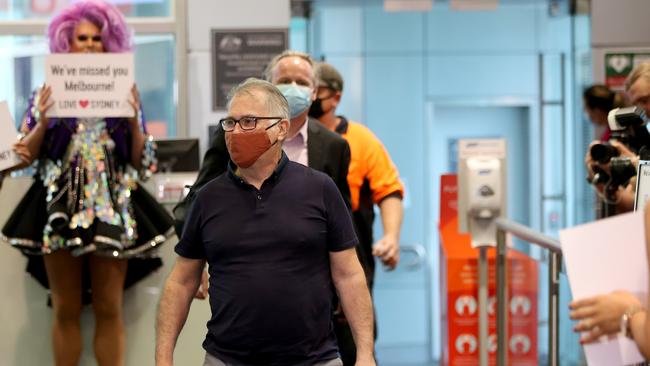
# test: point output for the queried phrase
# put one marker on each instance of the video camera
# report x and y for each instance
(621, 169)
(628, 127)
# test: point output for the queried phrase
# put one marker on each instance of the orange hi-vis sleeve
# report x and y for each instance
(369, 161)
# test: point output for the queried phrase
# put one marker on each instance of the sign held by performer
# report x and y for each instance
(8, 137)
(90, 85)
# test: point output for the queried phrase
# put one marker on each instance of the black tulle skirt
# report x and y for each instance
(25, 227)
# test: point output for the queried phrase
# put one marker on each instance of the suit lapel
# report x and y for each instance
(315, 150)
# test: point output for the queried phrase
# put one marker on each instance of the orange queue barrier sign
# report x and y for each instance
(459, 301)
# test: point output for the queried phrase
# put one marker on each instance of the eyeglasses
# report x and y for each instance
(84, 38)
(246, 123)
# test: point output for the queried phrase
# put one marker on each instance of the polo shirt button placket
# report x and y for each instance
(259, 196)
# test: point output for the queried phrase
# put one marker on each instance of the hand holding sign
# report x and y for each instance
(90, 84)
(8, 134)
(135, 104)
(42, 104)
(20, 148)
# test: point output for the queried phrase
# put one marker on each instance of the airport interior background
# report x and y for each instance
(420, 80)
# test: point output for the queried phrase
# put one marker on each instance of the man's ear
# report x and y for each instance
(284, 129)
(314, 93)
(337, 98)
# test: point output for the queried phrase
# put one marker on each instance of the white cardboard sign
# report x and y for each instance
(8, 137)
(605, 256)
(90, 84)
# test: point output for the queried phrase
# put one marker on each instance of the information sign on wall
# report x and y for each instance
(619, 65)
(240, 54)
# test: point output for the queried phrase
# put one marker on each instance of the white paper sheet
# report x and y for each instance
(605, 256)
(90, 84)
(8, 137)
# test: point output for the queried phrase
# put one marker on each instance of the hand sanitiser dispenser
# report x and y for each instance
(482, 188)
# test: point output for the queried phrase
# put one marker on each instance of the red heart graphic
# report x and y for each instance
(83, 103)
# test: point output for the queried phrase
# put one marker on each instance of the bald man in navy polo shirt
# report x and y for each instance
(278, 239)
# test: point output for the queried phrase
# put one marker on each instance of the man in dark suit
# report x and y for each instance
(308, 143)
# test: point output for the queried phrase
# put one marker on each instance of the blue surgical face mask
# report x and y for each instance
(299, 98)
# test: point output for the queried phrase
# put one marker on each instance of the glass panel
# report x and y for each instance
(552, 75)
(155, 77)
(30, 9)
(553, 173)
(585, 198)
(554, 219)
(23, 58)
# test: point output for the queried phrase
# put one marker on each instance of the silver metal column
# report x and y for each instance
(502, 299)
(482, 307)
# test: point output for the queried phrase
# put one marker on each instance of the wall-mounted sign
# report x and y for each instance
(619, 65)
(238, 54)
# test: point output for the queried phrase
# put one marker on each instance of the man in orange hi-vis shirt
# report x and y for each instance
(373, 179)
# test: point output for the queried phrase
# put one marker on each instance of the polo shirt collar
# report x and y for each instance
(232, 169)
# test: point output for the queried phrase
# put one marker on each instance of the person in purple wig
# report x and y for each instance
(115, 36)
(86, 226)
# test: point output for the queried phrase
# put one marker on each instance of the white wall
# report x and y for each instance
(222, 14)
(618, 26)
(620, 23)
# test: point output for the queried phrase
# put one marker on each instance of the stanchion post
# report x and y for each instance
(482, 306)
(502, 299)
(554, 308)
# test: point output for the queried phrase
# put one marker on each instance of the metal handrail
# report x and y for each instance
(527, 234)
(536, 238)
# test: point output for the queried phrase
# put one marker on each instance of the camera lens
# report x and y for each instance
(621, 170)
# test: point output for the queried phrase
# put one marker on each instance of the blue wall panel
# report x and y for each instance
(352, 71)
(392, 32)
(557, 32)
(394, 111)
(339, 30)
(482, 75)
(509, 28)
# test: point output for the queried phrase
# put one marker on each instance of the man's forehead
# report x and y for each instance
(247, 104)
(293, 63)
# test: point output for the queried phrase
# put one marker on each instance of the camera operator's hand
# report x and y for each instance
(590, 164)
(595, 168)
(624, 197)
(625, 152)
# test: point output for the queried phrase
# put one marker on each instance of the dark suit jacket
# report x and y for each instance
(327, 152)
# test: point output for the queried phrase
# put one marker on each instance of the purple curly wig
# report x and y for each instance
(116, 37)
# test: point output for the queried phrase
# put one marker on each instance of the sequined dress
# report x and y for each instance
(86, 199)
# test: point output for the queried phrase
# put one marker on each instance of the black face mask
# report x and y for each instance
(316, 109)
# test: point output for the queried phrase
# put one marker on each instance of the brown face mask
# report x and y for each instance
(246, 147)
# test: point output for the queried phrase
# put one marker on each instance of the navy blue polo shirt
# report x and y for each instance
(268, 251)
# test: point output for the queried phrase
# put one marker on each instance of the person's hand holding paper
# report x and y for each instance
(10, 154)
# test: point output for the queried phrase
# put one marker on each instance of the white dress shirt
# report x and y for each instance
(296, 147)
